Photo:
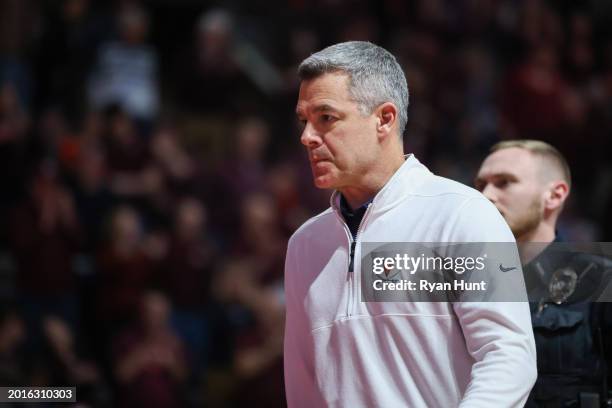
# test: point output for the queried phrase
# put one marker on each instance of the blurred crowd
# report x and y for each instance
(151, 171)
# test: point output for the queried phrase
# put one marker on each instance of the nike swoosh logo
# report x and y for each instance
(501, 268)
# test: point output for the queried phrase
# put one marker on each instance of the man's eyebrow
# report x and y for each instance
(505, 175)
(319, 108)
(483, 179)
(324, 107)
(491, 176)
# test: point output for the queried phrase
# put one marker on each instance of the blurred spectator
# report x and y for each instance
(92, 195)
(258, 359)
(283, 182)
(68, 366)
(18, 22)
(66, 54)
(127, 69)
(535, 96)
(14, 120)
(56, 139)
(45, 235)
(361, 28)
(580, 53)
(12, 360)
(241, 173)
(124, 271)
(479, 80)
(14, 127)
(255, 312)
(128, 156)
(177, 164)
(220, 72)
(303, 41)
(539, 24)
(186, 272)
(260, 239)
(185, 276)
(149, 360)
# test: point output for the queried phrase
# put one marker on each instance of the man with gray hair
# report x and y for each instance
(342, 351)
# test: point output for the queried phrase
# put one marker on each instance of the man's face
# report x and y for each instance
(510, 179)
(341, 141)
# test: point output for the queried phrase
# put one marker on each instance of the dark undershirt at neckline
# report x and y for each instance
(352, 217)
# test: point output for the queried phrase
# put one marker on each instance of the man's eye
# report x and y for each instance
(503, 183)
(327, 118)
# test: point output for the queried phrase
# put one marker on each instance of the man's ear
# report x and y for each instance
(556, 195)
(386, 115)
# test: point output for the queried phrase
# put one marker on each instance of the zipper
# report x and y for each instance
(352, 256)
(352, 263)
(351, 260)
(351, 267)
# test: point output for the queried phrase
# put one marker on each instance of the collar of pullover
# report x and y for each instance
(411, 174)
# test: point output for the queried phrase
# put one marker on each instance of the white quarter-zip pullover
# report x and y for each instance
(341, 352)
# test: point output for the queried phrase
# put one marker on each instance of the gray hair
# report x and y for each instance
(375, 75)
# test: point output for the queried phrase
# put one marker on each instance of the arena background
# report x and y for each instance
(151, 170)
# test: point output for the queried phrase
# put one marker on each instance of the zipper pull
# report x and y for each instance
(352, 257)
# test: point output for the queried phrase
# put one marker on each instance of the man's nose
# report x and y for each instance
(489, 192)
(310, 137)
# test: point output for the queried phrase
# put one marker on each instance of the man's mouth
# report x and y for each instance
(318, 159)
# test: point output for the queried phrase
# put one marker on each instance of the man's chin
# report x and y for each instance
(324, 182)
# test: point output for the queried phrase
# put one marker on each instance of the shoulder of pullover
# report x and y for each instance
(437, 186)
(414, 180)
(312, 224)
(464, 207)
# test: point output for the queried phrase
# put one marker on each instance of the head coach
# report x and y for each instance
(340, 351)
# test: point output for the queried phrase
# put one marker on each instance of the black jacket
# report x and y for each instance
(571, 328)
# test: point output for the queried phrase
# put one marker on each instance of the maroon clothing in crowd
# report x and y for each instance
(152, 383)
(533, 97)
(266, 387)
(123, 280)
(44, 255)
(186, 272)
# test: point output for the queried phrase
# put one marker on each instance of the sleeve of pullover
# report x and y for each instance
(498, 335)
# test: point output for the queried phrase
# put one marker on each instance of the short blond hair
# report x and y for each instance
(542, 149)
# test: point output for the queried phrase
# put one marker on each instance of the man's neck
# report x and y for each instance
(543, 233)
(355, 198)
(532, 243)
(372, 183)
